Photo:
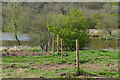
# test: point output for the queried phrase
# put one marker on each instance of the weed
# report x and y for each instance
(103, 51)
(5, 50)
(92, 51)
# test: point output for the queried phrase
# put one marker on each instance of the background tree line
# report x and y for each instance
(32, 18)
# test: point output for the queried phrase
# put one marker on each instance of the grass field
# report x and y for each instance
(93, 64)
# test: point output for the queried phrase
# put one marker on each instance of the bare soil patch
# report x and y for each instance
(22, 53)
(9, 66)
(44, 66)
(51, 67)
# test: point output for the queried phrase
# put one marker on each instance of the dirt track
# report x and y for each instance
(21, 53)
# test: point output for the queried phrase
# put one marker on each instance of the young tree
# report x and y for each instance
(16, 19)
(71, 27)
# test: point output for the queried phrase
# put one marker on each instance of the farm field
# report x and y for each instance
(93, 64)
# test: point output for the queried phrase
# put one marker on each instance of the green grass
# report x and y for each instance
(91, 62)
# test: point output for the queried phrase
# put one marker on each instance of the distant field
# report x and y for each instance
(93, 64)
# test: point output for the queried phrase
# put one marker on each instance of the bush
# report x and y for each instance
(70, 27)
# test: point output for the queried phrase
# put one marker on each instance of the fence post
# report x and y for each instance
(62, 48)
(77, 53)
(45, 48)
(53, 44)
(58, 44)
(49, 47)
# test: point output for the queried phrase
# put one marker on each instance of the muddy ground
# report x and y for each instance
(22, 53)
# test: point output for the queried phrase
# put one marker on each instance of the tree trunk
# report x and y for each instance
(16, 34)
(17, 39)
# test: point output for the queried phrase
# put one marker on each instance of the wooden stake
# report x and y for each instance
(53, 45)
(62, 48)
(45, 48)
(77, 53)
(49, 47)
(58, 44)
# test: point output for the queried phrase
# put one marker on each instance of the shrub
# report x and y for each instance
(70, 27)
